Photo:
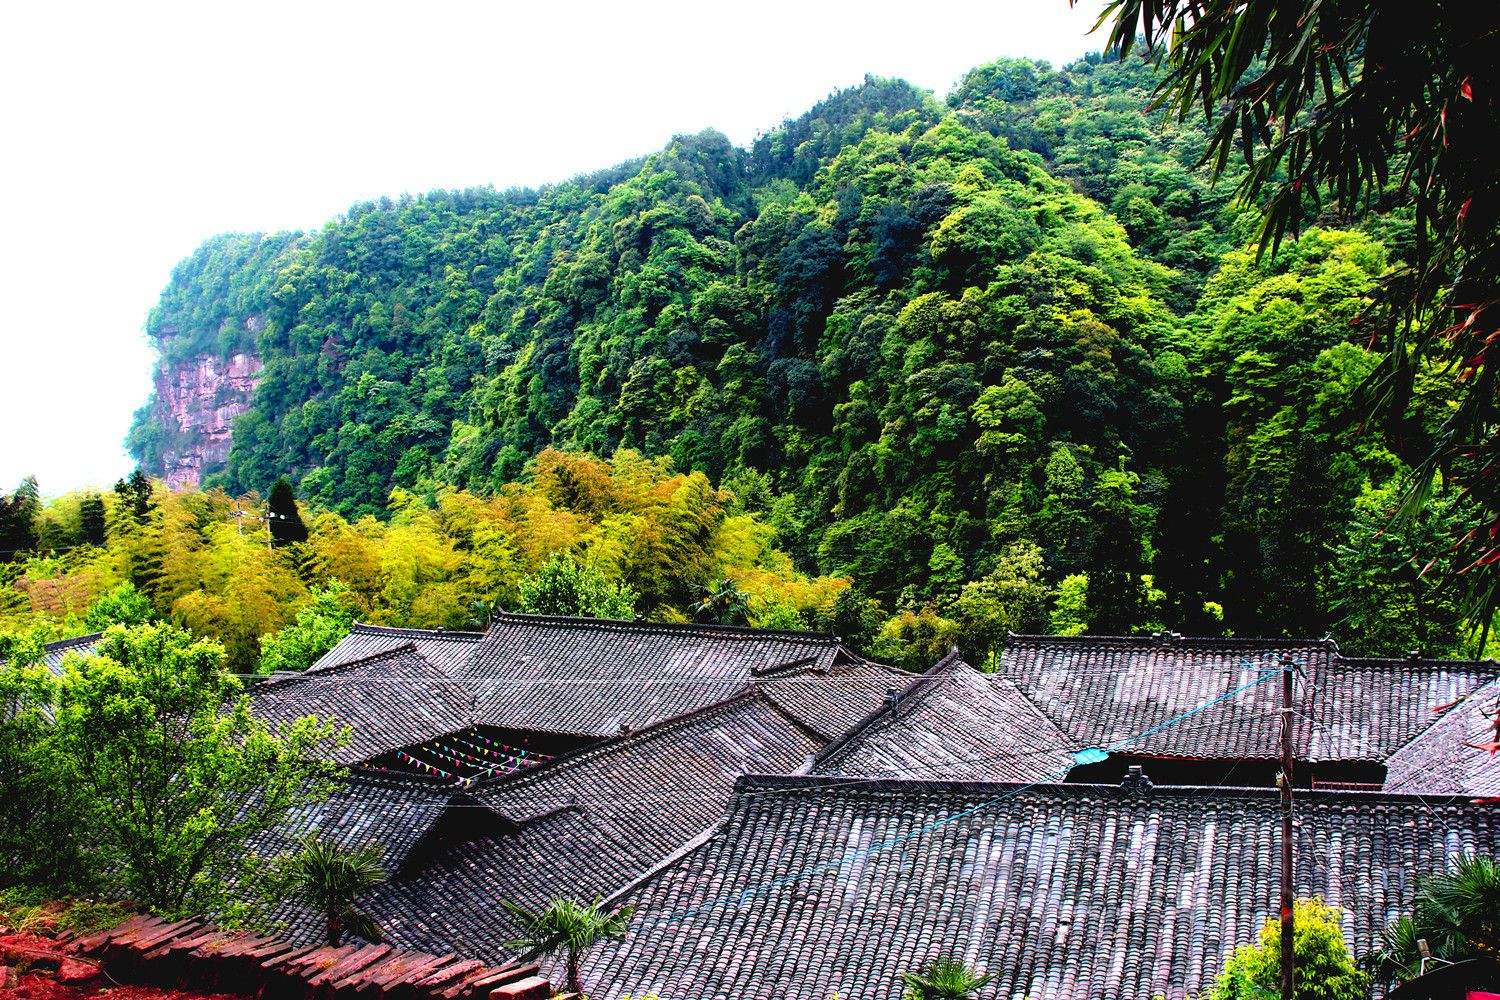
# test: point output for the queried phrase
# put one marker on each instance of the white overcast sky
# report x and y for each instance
(130, 132)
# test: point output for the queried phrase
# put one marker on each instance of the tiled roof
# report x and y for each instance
(1104, 690)
(588, 824)
(955, 723)
(591, 677)
(397, 814)
(83, 645)
(1066, 892)
(1368, 709)
(1450, 758)
(830, 703)
(445, 650)
(390, 700)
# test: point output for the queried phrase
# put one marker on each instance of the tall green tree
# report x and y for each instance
(1357, 103)
(91, 519)
(18, 520)
(1119, 558)
(282, 516)
(174, 773)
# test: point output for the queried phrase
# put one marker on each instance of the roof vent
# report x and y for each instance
(1136, 782)
(892, 699)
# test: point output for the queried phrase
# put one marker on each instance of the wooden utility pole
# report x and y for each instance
(1288, 959)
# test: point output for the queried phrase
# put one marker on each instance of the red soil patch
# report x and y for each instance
(59, 976)
(44, 986)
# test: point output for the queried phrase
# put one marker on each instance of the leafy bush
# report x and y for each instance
(1324, 969)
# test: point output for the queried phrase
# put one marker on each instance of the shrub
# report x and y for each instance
(1324, 970)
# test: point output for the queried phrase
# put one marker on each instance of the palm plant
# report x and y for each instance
(722, 604)
(945, 979)
(569, 927)
(1457, 913)
(329, 879)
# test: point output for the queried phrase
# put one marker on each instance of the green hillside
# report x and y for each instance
(1007, 343)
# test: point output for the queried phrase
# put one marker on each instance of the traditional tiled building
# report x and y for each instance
(789, 819)
(816, 886)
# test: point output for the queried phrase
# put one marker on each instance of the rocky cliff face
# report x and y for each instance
(196, 402)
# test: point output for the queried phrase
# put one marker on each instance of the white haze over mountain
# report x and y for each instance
(132, 132)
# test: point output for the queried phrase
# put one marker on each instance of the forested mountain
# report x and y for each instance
(1000, 360)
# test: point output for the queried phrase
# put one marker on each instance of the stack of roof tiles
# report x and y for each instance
(190, 952)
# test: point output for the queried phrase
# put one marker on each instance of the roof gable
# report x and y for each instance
(955, 723)
(1451, 758)
(588, 824)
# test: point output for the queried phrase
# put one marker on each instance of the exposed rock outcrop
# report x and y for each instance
(197, 400)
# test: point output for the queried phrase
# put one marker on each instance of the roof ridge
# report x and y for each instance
(609, 743)
(77, 640)
(693, 844)
(616, 624)
(425, 633)
(1408, 662)
(1166, 641)
(337, 668)
(839, 785)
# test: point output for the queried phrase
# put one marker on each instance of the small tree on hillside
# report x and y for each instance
(1324, 969)
(564, 587)
(120, 605)
(945, 979)
(91, 519)
(318, 628)
(330, 880)
(135, 495)
(282, 516)
(175, 776)
(568, 927)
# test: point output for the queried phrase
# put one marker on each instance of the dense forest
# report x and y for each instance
(1002, 361)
